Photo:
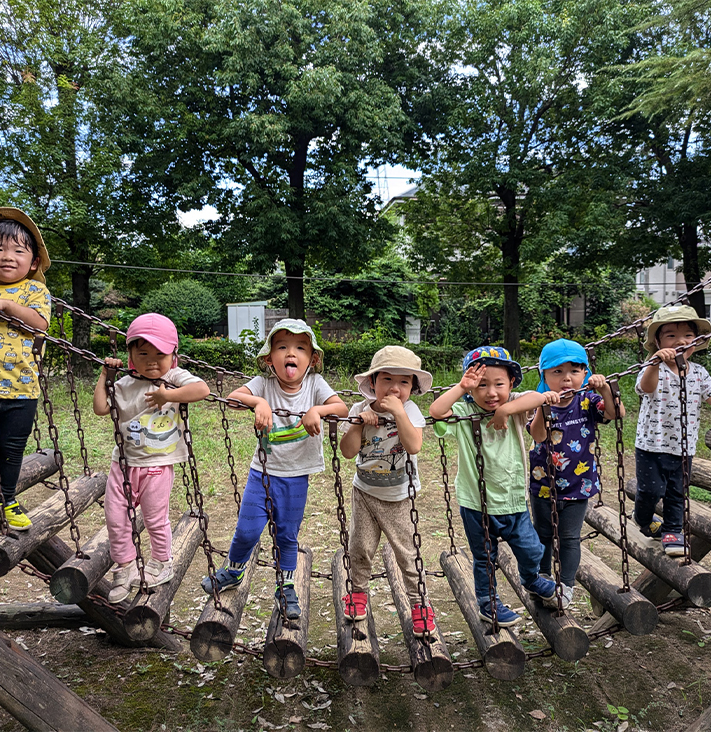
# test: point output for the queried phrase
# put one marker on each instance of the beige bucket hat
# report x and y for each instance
(675, 314)
(394, 360)
(8, 213)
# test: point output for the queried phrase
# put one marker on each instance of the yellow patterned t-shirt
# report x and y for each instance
(18, 369)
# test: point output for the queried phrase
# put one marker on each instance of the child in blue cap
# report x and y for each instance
(489, 376)
(563, 366)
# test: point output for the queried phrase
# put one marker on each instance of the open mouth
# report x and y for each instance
(290, 368)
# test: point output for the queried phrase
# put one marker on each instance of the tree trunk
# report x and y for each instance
(689, 242)
(295, 288)
(510, 250)
(81, 298)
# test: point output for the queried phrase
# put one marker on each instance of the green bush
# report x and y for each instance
(220, 353)
(190, 305)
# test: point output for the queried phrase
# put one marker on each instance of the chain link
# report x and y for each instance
(684, 416)
(417, 543)
(219, 384)
(553, 495)
(621, 496)
(447, 495)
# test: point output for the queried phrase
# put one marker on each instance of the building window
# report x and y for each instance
(670, 263)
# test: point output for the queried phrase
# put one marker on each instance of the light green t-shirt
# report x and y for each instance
(505, 461)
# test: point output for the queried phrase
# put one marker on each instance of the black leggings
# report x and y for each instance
(16, 417)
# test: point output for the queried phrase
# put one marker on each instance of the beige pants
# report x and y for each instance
(369, 517)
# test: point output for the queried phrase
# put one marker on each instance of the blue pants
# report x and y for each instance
(288, 500)
(16, 419)
(660, 475)
(571, 515)
(517, 531)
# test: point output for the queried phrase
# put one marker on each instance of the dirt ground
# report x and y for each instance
(656, 682)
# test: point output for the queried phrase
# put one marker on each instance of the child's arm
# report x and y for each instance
(409, 435)
(195, 391)
(312, 419)
(650, 376)
(262, 410)
(525, 403)
(441, 407)
(351, 441)
(101, 394)
(598, 382)
(22, 312)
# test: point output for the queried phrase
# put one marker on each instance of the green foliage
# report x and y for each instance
(221, 353)
(191, 306)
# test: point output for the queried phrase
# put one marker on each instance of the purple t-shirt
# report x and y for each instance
(573, 437)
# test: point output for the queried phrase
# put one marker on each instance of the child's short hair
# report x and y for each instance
(15, 231)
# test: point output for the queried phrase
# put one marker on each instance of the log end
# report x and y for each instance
(698, 589)
(69, 586)
(359, 669)
(506, 660)
(571, 642)
(435, 674)
(283, 658)
(640, 618)
(211, 641)
(141, 622)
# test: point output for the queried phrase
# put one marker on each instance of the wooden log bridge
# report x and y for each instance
(143, 619)
(569, 641)
(285, 647)
(29, 616)
(358, 653)
(502, 652)
(35, 468)
(631, 609)
(38, 699)
(690, 580)
(214, 633)
(431, 662)
(49, 519)
(76, 578)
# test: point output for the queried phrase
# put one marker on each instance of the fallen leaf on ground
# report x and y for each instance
(537, 714)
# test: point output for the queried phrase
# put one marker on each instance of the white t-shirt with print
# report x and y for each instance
(658, 426)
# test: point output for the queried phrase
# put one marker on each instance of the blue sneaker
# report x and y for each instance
(673, 544)
(293, 610)
(504, 616)
(225, 579)
(541, 588)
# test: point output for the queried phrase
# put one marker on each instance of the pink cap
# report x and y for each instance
(158, 330)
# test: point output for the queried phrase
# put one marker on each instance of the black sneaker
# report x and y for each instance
(225, 580)
(293, 610)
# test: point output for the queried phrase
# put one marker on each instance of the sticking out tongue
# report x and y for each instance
(290, 371)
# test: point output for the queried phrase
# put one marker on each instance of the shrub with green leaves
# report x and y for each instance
(190, 305)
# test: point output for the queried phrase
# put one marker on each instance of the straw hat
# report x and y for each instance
(394, 360)
(9, 213)
(675, 314)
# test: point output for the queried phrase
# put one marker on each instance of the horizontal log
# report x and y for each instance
(502, 652)
(701, 470)
(631, 609)
(38, 699)
(690, 580)
(143, 619)
(48, 519)
(358, 653)
(35, 468)
(285, 647)
(431, 662)
(29, 616)
(569, 641)
(214, 633)
(76, 578)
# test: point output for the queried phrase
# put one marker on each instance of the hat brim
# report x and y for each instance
(365, 387)
(703, 325)
(10, 213)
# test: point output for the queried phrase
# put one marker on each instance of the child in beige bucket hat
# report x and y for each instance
(380, 497)
(658, 458)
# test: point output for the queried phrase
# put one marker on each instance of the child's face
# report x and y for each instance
(16, 261)
(149, 361)
(290, 357)
(494, 388)
(673, 335)
(566, 376)
(387, 384)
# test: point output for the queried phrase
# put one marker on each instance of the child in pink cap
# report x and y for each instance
(151, 427)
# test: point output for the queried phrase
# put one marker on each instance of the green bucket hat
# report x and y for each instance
(675, 314)
(297, 327)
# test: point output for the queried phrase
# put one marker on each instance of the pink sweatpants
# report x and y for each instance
(150, 489)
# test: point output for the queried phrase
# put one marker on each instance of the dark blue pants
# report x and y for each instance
(571, 515)
(660, 476)
(289, 501)
(16, 418)
(517, 531)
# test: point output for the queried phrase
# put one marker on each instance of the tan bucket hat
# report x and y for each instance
(394, 360)
(9, 213)
(675, 314)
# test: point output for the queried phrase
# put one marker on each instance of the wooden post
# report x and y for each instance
(431, 662)
(76, 578)
(358, 653)
(702, 723)
(631, 609)
(215, 631)
(52, 554)
(701, 469)
(689, 580)
(49, 519)
(29, 616)
(35, 468)
(569, 641)
(143, 619)
(502, 652)
(285, 647)
(38, 699)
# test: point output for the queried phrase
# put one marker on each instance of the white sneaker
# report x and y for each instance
(156, 573)
(122, 581)
(566, 599)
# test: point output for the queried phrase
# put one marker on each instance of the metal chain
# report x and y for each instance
(37, 434)
(553, 495)
(219, 385)
(417, 543)
(592, 357)
(684, 416)
(621, 496)
(188, 490)
(447, 495)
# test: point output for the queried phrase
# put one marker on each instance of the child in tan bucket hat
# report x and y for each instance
(658, 455)
(380, 498)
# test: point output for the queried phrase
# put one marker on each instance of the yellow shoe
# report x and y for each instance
(16, 518)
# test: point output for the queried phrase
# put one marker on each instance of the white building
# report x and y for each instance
(664, 283)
